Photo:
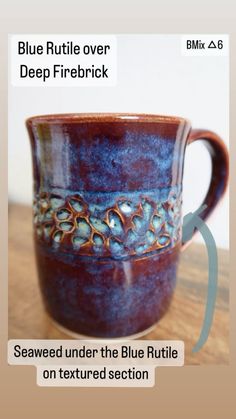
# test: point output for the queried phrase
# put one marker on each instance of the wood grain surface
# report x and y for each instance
(28, 320)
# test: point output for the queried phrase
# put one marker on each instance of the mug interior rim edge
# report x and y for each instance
(104, 118)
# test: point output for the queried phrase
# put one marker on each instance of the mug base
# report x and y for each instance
(79, 336)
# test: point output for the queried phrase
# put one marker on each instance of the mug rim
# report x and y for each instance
(99, 117)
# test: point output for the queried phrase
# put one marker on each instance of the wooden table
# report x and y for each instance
(27, 318)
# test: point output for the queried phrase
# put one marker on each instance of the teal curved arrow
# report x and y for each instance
(191, 222)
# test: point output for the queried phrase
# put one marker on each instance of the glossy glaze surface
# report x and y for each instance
(106, 297)
(107, 216)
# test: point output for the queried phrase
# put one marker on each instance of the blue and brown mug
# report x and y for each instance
(107, 216)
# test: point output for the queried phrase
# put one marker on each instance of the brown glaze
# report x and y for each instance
(220, 168)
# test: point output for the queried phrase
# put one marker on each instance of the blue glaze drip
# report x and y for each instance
(99, 200)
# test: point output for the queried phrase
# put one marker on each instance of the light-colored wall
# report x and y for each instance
(153, 77)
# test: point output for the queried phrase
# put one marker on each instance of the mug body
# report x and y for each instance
(107, 218)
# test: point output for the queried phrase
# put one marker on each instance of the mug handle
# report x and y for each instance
(219, 175)
(217, 187)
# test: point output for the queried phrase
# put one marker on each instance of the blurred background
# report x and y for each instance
(153, 77)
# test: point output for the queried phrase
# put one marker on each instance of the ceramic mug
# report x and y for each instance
(107, 216)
